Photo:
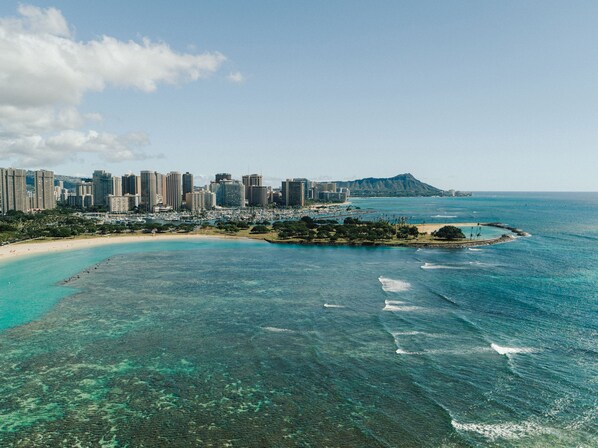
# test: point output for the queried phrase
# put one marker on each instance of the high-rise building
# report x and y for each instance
(84, 188)
(83, 196)
(131, 184)
(231, 193)
(118, 204)
(187, 183)
(249, 180)
(44, 190)
(306, 185)
(223, 176)
(102, 187)
(117, 186)
(200, 200)
(149, 194)
(293, 193)
(161, 188)
(174, 190)
(13, 190)
(258, 196)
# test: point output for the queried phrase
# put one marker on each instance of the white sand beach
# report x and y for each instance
(11, 251)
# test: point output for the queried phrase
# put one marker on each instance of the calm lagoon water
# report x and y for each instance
(242, 343)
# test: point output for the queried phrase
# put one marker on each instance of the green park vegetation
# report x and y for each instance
(64, 223)
(449, 233)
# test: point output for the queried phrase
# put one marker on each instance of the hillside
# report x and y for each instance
(401, 185)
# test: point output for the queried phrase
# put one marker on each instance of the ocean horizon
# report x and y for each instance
(245, 343)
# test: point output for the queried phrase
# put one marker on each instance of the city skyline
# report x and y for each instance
(465, 95)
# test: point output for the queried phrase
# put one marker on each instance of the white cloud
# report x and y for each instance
(45, 72)
(35, 150)
(236, 77)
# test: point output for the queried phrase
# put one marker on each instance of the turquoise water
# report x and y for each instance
(249, 344)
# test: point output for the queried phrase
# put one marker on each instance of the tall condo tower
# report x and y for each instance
(131, 184)
(187, 183)
(149, 193)
(250, 180)
(117, 186)
(293, 193)
(161, 188)
(102, 187)
(13, 190)
(44, 190)
(174, 190)
(230, 193)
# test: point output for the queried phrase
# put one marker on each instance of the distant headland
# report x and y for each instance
(401, 185)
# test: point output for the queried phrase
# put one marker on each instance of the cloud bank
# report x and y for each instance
(45, 72)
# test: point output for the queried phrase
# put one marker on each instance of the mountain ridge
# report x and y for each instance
(401, 185)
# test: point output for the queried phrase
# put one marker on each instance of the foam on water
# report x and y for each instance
(511, 350)
(402, 308)
(331, 305)
(468, 265)
(391, 285)
(474, 249)
(444, 216)
(508, 431)
(404, 352)
(454, 352)
(277, 330)
(441, 266)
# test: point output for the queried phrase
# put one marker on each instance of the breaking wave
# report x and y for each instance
(390, 285)
(509, 431)
(511, 350)
(277, 330)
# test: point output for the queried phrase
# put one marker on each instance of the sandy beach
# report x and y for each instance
(16, 250)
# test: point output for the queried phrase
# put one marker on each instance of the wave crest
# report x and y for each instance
(391, 285)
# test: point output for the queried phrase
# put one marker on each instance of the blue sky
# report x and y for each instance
(494, 95)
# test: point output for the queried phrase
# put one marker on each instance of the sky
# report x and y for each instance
(470, 95)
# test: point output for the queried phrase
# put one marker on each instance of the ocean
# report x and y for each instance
(248, 344)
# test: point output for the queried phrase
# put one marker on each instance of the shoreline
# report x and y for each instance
(47, 246)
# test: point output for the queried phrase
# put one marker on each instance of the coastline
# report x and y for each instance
(37, 247)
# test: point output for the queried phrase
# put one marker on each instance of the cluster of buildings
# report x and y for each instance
(152, 192)
(14, 194)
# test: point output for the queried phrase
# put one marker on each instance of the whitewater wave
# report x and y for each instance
(474, 249)
(277, 330)
(397, 307)
(407, 333)
(444, 216)
(441, 266)
(511, 350)
(468, 265)
(330, 305)
(399, 351)
(440, 351)
(508, 431)
(390, 285)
